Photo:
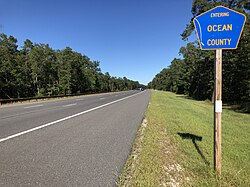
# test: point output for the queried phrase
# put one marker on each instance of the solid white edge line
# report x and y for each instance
(66, 118)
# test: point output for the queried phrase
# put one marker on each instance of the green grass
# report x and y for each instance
(164, 158)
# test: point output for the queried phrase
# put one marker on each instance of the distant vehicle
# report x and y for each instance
(141, 89)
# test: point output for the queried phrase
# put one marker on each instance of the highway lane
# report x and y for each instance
(87, 150)
(21, 117)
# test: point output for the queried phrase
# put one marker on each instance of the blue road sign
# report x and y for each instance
(219, 28)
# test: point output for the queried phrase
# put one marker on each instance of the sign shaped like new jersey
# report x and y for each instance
(219, 28)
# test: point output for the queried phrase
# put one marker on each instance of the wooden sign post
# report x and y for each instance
(218, 28)
(217, 111)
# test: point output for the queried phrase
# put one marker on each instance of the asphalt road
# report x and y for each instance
(81, 141)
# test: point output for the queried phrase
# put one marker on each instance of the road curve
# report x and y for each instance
(88, 149)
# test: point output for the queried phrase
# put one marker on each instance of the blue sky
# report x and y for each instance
(131, 38)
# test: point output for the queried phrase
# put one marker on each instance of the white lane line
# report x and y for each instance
(73, 104)
(66, 118)
(116, 95)
(33, 106)
(79, 99)
(102, 98)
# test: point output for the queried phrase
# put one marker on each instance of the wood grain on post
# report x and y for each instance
(218, 110)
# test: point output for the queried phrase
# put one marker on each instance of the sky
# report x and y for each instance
(131, 38)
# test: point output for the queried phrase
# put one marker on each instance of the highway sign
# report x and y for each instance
(219, 28)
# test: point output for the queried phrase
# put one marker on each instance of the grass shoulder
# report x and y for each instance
(177, 145)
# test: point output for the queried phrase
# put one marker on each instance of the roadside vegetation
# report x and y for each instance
(175, 147)
(35, 70)
(193, 74)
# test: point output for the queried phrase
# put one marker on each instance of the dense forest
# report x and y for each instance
(38, 70)
(194, 73)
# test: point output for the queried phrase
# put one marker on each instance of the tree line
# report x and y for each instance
(38, 70)
(194, 73)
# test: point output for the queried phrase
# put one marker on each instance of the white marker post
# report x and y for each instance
(218, 28)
